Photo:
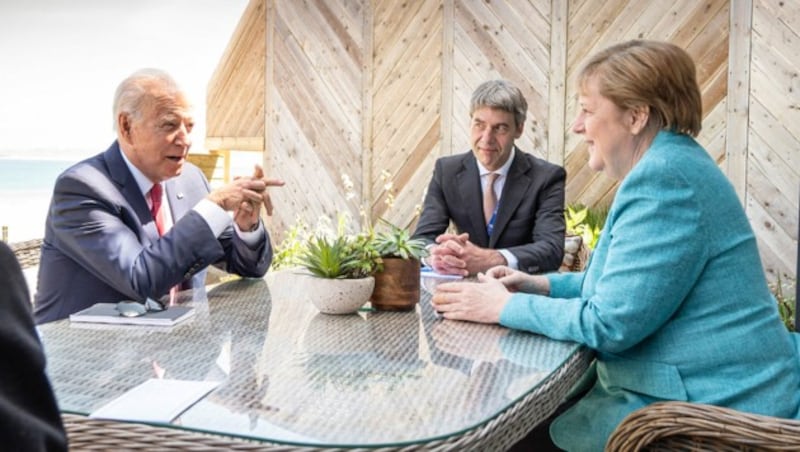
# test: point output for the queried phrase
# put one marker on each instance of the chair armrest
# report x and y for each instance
(681, 425)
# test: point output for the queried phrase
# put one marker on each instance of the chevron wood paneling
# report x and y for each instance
(406, 94)
(314, 125)
(699, 27)
(509, 40)
(363, 87)
(773, 168)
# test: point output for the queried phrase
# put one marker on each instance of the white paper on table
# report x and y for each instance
(155, 400)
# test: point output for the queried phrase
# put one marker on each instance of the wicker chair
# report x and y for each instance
(671, 426)
(27, 252)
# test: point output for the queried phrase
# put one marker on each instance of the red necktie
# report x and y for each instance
(158, 215)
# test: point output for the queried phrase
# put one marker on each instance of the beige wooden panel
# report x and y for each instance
(406, 99)
(332, 87)
(699, 27)
(235, 93)
(509, 40)
(773, 166)
(315, 127)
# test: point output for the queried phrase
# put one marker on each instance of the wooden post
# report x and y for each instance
(738, 104)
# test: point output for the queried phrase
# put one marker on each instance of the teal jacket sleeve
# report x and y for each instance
(648, 258)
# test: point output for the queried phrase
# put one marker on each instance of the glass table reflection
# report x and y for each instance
(293, 376)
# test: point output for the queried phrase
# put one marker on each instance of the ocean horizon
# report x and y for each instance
(26, 187)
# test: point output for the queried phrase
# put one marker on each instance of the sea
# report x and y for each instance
(26, 187)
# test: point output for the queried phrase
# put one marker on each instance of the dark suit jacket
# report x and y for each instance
(530, 218)
(30, 417)
(101, 243)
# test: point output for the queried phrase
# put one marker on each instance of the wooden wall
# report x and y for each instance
(333, 87)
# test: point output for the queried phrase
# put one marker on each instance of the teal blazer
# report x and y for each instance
(674, 302)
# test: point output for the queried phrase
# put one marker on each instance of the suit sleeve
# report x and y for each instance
(545, 251)
(242, 259)
(31, 420)
(435, 217)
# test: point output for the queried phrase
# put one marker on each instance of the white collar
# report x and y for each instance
(144, 183)
(503, 170)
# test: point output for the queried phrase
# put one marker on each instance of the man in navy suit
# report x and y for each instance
(526, 230)
(101, 241)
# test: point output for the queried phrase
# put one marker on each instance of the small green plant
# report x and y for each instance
(287, 253)
(585, 222)
(786, 303)
(397, 242)
(359, 253)
(341, 257)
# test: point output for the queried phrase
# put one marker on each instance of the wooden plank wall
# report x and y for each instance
(772, 165)
(360, 88)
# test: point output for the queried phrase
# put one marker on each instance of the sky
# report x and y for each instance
(61, 61)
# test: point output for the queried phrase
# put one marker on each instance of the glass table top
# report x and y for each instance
(290, 374)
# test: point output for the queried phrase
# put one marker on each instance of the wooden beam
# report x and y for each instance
(367, 113)
(738, 98)
(235, 143)
(557, 122)
(446, 113)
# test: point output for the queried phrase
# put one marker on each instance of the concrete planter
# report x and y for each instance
(338, 296)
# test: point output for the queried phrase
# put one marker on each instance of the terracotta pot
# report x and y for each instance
(397, 286)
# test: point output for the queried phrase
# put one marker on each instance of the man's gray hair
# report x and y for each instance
(135, 89)
(500, 94)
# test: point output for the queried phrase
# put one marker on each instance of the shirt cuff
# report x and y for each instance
(511, 260)
(218, 220)
(250, 238)
(216, 217)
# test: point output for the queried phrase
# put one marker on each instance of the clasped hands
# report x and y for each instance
(454, 254)
(245, 196)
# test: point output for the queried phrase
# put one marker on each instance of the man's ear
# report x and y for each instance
(639, 117)
(124, 126)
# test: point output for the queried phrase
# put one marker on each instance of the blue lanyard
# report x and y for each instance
(490, 225)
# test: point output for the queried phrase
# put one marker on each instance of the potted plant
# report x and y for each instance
(397, 279)
(341, 269)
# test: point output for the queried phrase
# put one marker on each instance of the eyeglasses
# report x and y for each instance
(137, 309)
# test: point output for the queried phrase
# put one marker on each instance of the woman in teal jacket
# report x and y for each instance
(674, 300)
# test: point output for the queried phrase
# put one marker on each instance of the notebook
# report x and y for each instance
(107, 313)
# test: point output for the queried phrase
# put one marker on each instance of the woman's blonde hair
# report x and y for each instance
(655, 74)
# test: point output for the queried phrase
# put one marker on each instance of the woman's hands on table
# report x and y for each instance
(483, 301)
(480, 301)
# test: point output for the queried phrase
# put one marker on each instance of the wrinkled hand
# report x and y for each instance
(481, 301)
(456, 255)
(445, 256)
(517, 281)
(245, 196)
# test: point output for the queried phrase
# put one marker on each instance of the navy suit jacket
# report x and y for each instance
(30, 417)
(101, 243)
(530, 217)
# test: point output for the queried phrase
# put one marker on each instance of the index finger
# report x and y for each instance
(273, 182)
(450, 287)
